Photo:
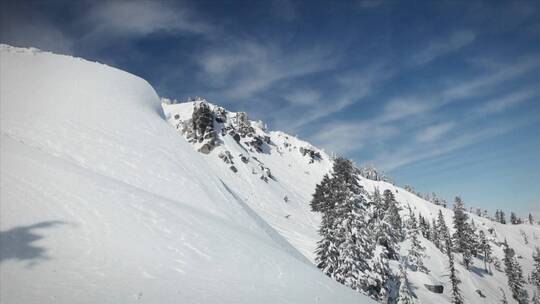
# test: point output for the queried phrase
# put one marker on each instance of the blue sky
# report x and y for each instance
(443, 95)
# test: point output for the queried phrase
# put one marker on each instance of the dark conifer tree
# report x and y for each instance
(502, 217)
(435, 237)
(485, 250)
(454, 280)
(513, 219)
(321, 201)
(515, 276)
(416, 254)
(504, 300)
(462, 235)
(443, 230)
(535, 275)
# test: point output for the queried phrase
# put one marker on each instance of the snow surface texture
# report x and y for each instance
(295, 174)
(102, 201)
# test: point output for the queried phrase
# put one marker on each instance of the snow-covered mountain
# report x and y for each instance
(103, 200)
(246, 158)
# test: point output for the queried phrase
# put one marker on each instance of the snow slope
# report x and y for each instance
(102, 201)
(295, 176)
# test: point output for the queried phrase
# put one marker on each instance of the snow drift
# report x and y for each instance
(102, 202)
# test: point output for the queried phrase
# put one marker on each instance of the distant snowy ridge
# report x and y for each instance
(284, 155)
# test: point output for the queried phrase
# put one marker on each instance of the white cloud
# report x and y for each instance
(413, 152)
(446, 45)
(306, 97)
(123, 19)
(434, 132)
(349, 88)
(397, 115)
(244, 68)
(402, 107)
(349, 136)
(503, 103)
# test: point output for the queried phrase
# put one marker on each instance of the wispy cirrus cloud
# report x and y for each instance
(127, 19)
(434, 132)
(346, 89)
(443, 46)
(412, 117)
(244, 68)
(412, 153)
(505, 102)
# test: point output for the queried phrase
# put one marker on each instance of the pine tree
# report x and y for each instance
(454, 280)
(502, 217)
(462, 235)
(424, 226)
(321, 201)
(504, 300)
(531, 219)
(405, 295)
(515, 276)
(443, 230)
(435, 237)
(535, 275)
(416, 251)
(485, 249)
(393, 216)
(354, 243)
(513, 218)
(345, 169)
(378, 203)
(327, 193)
(474, 239)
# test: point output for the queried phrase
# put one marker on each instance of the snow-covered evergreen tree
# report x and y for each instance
(485, 250)
(535, 274)
(416, 253)
(424, 226)
(500, 216)
(513, 218)
(392, 215)
(515, 276)
(462, 235)
(405, 294)
(346, 250)
(454, 280)
(442, 231)
(355, 242)
(504, 300)
(435, 237)
(531, 219)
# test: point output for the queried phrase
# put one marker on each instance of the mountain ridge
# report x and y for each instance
(148, 216)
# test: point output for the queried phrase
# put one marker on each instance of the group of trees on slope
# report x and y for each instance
(361, 234)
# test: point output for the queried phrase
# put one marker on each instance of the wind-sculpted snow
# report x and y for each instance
(102, 203)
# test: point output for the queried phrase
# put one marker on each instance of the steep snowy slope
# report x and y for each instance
(103, 202)
(245, 153)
